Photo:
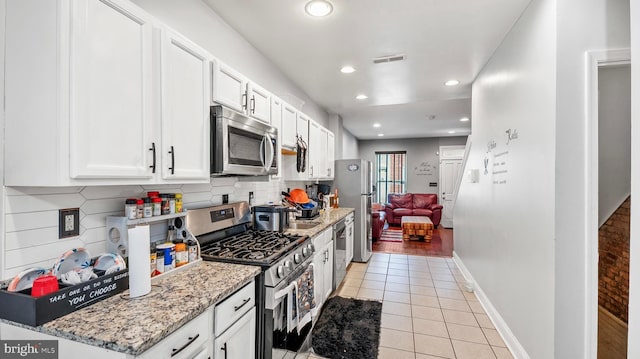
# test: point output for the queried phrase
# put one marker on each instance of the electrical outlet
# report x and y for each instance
(68, 222)
(225, 198)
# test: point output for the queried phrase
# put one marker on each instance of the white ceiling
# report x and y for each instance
(442, 39)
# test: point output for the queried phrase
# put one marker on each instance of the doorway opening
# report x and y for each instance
(609, 153)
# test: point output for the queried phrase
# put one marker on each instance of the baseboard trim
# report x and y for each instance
(501, 326)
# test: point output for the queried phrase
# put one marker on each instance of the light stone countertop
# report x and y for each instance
(326, 220)
(132, 326)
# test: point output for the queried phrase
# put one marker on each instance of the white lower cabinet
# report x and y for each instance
(239, 340)
(186, 342)
(323, 263)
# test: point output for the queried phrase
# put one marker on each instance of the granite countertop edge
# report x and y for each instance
(134, 322)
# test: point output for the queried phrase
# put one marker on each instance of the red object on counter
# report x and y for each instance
(44, 285)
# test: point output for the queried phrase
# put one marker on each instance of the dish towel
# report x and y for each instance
(306, 299)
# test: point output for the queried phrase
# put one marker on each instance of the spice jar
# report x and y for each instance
(147, 209)
(157, 204)
(131, 208)
(192, 248)
(140, 209)
(178, 202)
(182, 257)
(172, 203)
(153, 194)
(165, 203)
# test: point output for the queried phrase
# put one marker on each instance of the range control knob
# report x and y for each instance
(297, 258)
(306, 251)
(280, 271)
(311, 247)
(288, 265)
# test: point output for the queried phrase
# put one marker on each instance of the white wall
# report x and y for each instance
(346, 143)
(421, 153)
(199, 23)
(614, 139)
(582, 25)
(350, 148)
(504, 232)
(634, 280)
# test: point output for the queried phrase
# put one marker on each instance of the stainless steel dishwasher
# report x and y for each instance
(339, 252)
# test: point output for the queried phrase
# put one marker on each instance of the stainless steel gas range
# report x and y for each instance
(225, 234)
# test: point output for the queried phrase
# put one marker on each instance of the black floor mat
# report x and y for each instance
(348, 329)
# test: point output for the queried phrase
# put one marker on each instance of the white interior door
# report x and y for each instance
(449, 171)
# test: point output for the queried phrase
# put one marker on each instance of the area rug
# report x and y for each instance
(391, 235)
(348, 329)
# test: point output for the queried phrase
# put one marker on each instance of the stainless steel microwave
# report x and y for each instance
(241, 145)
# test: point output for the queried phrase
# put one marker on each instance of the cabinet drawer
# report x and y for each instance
(186, 341)
(232, 308)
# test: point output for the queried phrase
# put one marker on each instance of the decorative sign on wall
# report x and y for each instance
(425, 169)
(496, 159)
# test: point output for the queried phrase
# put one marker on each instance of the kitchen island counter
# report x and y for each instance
(132, 326)
(326, 220)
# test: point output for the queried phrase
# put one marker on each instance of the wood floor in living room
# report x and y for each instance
(441, 245)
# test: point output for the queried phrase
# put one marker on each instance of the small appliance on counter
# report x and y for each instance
(271, 217)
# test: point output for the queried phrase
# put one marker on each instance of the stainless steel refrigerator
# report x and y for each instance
(354, 181)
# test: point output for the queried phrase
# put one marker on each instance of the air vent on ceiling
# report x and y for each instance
(390, 58)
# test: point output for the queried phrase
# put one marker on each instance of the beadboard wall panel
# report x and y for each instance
(31, 216)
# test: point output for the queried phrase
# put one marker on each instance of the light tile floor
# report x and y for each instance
(426, 314)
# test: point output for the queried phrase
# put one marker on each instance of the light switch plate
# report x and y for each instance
(68, 222)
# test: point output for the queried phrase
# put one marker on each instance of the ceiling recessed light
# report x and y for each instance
(452, 131)
(347, 70)
(318, 8)
(464, 119)
(362, 97)
(376, 125)
(381, 135)
(452, 83)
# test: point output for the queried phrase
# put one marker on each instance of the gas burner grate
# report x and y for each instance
(260, 246)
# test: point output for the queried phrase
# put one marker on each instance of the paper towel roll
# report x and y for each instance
(139, 261)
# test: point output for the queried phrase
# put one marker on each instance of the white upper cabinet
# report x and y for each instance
(289, 119)
(259, 103)
(186, 93)
(234, 90)
(331, 155)
(93, 99)
(315, 148)
(110, 121)
(229, 87)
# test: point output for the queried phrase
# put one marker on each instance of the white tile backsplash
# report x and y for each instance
(31, 215)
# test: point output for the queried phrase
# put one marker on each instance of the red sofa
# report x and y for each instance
(413, 204)
(378, 216)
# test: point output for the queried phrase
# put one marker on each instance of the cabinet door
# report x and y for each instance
(322, 158)
(331, 155)
(185, 76)
(328, 270)
(229, 87)
(302, 127)
(315, 151)
(259, 103)
(289, 119)
(239, 341)
(276, 121)
(110, 119)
